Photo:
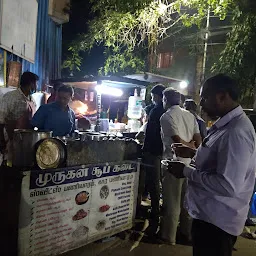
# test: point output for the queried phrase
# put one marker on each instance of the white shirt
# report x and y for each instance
(143, 127)
(221, 183)
(180, 122)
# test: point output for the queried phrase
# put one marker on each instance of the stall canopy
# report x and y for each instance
(153, 78)
(126, 82)
(122, 82)
(122, 87)
(112, 81)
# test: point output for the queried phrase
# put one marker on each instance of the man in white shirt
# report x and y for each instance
(178, 126)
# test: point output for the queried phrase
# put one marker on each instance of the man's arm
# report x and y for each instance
(197, 139)
(233, 159)
(177, 139)
(183, 151)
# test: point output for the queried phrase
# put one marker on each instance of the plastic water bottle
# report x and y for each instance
(135, 106)
(134, 125)
(111, 125)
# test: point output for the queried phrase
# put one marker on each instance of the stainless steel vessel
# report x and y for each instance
(50, 153)
(24, 146)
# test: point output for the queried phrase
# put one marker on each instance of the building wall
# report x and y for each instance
(187, 48)
(187, 65)
(182, 65)
(48, 47)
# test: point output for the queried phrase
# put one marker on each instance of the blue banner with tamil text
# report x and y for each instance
(53, 177)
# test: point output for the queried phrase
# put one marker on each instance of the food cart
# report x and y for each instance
(52, 211)
(64, 193)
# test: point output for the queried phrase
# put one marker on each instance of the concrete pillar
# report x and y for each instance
(198, 78)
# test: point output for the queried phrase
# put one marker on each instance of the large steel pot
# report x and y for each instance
(24, 142)
(50, 153)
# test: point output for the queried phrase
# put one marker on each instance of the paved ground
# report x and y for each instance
(245, 247)
(118, 247)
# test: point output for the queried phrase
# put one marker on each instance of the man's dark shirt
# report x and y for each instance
(153, 142)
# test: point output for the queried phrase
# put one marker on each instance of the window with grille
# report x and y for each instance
(164, 60)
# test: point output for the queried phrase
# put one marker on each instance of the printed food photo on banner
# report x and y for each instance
(82, 198)
(104, 192)
(80, 215)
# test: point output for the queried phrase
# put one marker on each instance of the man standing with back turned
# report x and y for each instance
(153, 150)
(191, 106)
(178, 126)
(221, 181)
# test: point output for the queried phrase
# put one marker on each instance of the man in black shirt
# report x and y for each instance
(191, 106)
(153, 150)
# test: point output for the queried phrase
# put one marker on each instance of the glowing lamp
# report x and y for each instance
(103, 89)
(183, 85)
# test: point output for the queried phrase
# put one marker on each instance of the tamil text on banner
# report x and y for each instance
(67, 208)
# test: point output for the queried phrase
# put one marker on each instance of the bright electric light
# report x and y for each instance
(183, 84)
(162, 8)
(103, 89)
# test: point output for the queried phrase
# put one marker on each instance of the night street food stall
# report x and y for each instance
(63, 193)
(103, 94)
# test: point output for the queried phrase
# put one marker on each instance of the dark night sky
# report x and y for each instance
(80, 15)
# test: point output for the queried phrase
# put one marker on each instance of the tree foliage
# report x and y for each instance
(238, 57)
(130, 31)
(130, 28)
